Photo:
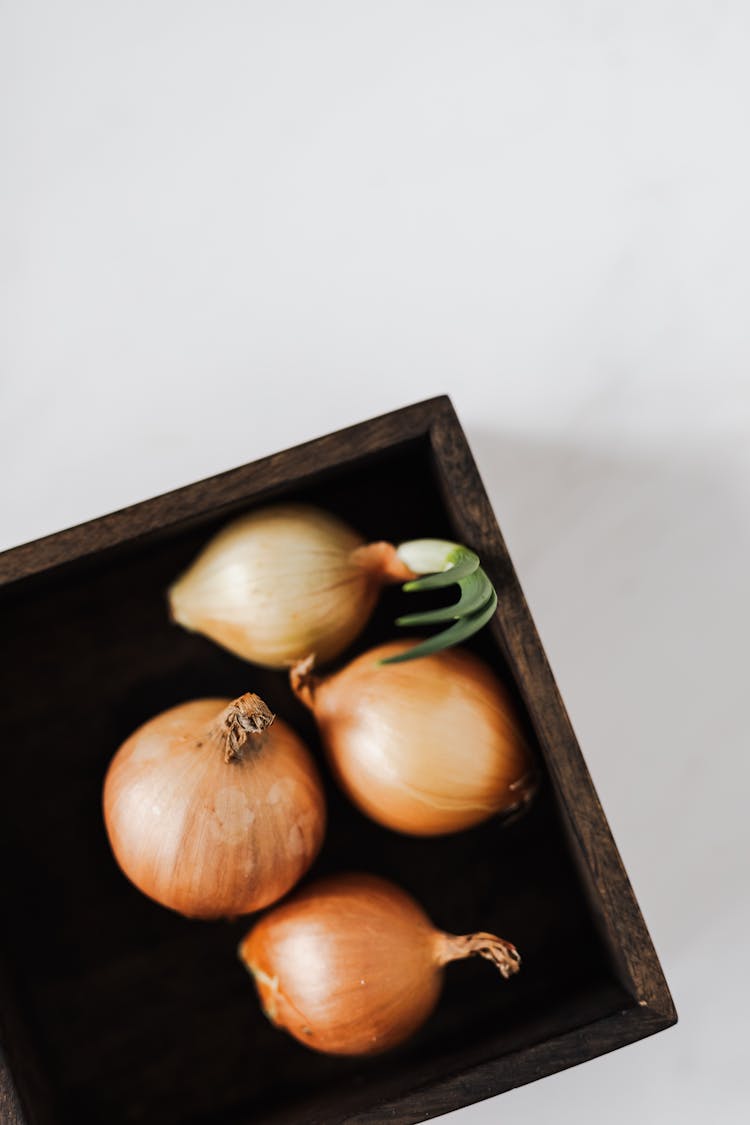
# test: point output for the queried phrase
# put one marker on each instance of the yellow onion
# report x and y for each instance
(211, 810)
(284, 581)
(352, 965)
(424, 747)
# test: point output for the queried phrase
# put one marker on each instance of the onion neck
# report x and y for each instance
(503, 955)
(242, 725)
(381, 560)
(303, 681)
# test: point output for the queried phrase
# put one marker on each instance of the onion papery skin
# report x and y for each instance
(425, 748)
(347, 966)
(206, 836)
(352, 965)
(281, 582)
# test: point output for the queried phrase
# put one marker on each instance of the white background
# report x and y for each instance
(229, 227)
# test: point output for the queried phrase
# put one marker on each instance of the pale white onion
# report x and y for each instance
(281, 582)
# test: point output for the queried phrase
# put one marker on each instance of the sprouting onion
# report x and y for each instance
(290, 579)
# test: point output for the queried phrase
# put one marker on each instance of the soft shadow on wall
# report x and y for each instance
(636, 570)
(635, 566)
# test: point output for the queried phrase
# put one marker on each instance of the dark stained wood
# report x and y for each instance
(10, 1107)
(596, 854)
(116, 1010)
(256, 481)
(516, 1069)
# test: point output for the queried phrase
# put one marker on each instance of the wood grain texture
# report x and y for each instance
(597, 855)
(517, 1069)
(10, 1107)
(106, 996)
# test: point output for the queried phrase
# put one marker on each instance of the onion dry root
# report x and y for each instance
(352, 965)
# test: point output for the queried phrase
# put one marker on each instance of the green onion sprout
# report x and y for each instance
(442, 563)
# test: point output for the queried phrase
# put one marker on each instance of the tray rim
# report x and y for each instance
(600, 866)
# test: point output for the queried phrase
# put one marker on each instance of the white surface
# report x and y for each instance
(228, 227)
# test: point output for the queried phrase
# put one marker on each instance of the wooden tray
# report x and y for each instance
(115, 1010)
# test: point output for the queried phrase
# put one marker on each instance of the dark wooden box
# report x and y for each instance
(115, 1010)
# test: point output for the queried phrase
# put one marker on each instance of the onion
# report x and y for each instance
(352, 965)
(427, 747)
(284, 581)
(212, 811)
(291, 579)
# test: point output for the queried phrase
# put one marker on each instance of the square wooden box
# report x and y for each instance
(115, 1010)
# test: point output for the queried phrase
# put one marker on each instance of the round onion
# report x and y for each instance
(284, 581)
(425, 747)
(352, 965)
(213, 811)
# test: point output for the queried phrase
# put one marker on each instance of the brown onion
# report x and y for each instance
(212, 811)
(426, 747)
(352, 965)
